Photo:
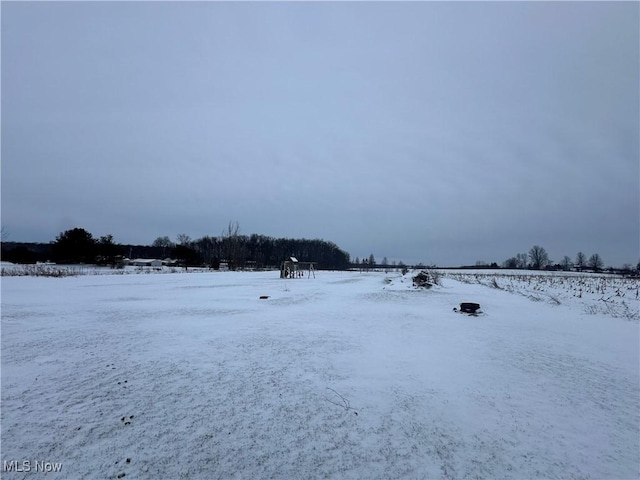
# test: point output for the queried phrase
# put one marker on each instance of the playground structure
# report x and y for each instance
(292, 268)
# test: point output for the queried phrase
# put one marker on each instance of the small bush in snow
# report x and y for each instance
(423, 280)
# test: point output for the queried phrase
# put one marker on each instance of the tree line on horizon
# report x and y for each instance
(254, 251)
(239, 251)
(538, 259)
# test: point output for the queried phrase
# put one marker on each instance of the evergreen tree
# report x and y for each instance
(75, 246)
(107, 250)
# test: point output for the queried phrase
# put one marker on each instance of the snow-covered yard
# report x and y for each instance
(342, 376)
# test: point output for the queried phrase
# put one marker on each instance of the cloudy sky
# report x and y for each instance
(442, 133)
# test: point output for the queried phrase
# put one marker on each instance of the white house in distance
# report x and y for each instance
(146, 262)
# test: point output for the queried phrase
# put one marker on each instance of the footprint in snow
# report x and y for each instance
(122, 474)
(127, 419)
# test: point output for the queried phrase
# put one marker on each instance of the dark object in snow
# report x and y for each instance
(467, 307)
(423, 279)
(264, 297)
(127, 419)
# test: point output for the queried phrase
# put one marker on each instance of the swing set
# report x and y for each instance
(292, 268)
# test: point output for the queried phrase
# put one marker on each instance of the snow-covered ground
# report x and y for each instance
(192, 375)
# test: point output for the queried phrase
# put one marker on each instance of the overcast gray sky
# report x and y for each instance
(425, 132)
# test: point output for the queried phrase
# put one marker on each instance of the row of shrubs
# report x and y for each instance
(59, 271)
(40, 271)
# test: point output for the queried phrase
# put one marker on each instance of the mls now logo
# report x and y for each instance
(29, 466)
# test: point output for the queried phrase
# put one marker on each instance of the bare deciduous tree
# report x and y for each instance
(581, 261)
(538, 256)
(165, 243)
(566, 263)
(510, 263)
(233, 247)
(183, 239)
(522, 260)
(208, 248)
(595, 262)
